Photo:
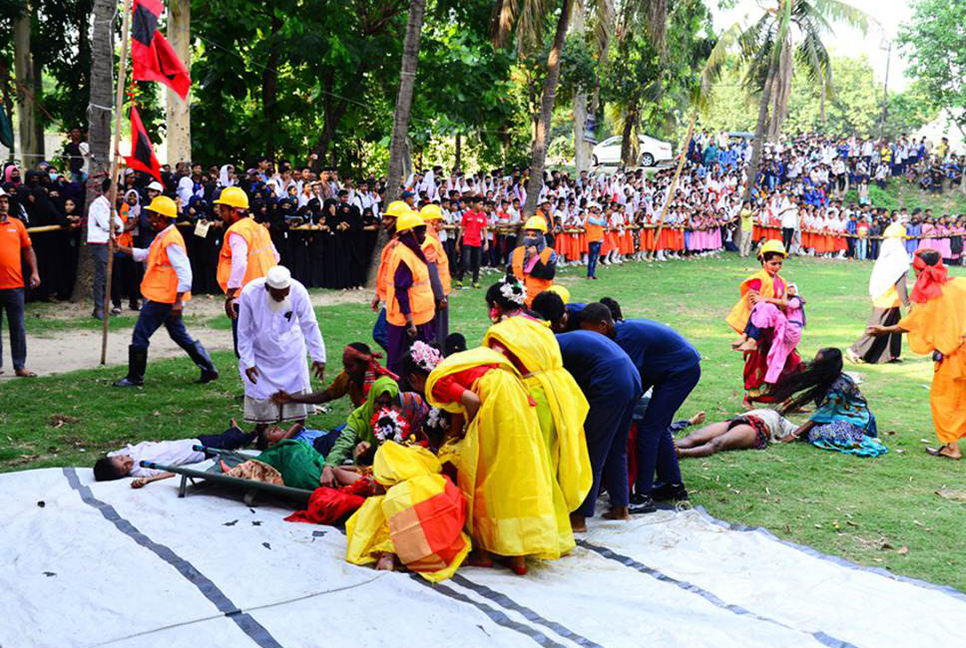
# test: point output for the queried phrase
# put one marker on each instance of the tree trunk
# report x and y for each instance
(762, 123)
(178, 112)
(582, 148)
(538, 157)
(781, 91)
(28, 125)
(99, 129)
(458, 164)
(400, 119)
(630, 146)
(270, 86)
(682, 156)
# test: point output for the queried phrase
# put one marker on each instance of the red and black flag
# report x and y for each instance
(142, 154)
(152, 57)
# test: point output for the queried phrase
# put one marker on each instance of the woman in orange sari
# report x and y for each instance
(937, 325)
(763, 286)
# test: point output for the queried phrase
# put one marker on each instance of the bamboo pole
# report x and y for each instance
(115, 163)
(674, 182)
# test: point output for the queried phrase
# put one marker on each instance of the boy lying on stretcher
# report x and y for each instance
(127, 461)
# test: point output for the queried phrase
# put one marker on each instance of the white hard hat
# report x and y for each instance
(278, 277)
(155, 186)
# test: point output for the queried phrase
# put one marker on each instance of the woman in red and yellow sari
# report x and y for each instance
(532, 348)
(501, 459)
(765, 285)
(937, 325)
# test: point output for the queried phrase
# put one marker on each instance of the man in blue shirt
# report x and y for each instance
(612, 386)
(671, 366)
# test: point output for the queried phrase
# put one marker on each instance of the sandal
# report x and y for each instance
(938, 452)
(23, 373)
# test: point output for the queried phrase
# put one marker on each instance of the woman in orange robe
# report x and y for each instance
(937, 325)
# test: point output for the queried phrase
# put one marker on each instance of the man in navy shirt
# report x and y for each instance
(612, 386)
(671, 366)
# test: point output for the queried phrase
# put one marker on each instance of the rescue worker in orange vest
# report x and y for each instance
(534, 262)
(165, 288)
(247, 251)
(436, 255)
(410, 304)
(394, 210)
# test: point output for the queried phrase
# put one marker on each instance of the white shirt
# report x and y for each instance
(275, 341)
(166, 453)
(176, 256)
(99, 219)
(790, 217)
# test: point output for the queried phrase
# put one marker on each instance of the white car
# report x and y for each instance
(653, 151)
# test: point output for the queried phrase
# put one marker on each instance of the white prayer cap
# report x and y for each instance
(155, 186)
(2, 192)
(278, 277)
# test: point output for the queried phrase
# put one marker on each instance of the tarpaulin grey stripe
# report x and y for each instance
(246, 623)
(496, 616)
(528, 614)
(823, 638)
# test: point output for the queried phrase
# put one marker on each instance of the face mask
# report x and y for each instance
(530, 241)
(495, 314)
(53, 176)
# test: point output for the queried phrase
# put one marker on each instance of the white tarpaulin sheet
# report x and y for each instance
(101, 564)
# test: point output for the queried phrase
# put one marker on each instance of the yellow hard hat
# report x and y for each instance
(431, 212)
(562, 291)
(233, 197)
(397, 208)
(164, 206)
(772, 246)
(408, 221)
(536, 223)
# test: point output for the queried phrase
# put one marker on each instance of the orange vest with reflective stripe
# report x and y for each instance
(422, 306)
(160, 283)
(534, 285)
(595, 233)
(433, 249)
(382, 272)
(261, 253)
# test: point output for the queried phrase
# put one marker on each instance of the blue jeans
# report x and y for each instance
(655, 445)
(379, 333)
(593, 253)
(150, 319)
(11, 300)
(861, 248)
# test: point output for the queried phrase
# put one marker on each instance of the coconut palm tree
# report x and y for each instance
(786, 34)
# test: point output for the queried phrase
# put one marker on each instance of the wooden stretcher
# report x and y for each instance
(249, 487)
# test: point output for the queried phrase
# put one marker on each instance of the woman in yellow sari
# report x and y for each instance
(532, 348)
(501, 460)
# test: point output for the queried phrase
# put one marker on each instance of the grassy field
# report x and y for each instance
(884, 512)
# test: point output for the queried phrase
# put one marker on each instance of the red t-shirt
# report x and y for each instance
(13, 239)
(472, 225)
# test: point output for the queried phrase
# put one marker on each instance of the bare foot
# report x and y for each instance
(618, 513)
(480, 558)
(578, 523)
(23, 373)
(386, 562)
(698, 418)
(749, 345)
(518, 564)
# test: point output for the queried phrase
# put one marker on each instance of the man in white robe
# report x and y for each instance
(276, 324)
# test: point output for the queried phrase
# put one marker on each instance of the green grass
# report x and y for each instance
(899, 193)
(881, 512)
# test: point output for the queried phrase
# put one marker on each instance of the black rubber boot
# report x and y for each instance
(137, 362)
(203, 360)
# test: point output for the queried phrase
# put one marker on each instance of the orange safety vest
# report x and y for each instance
(595, 233)
(382, 271)
(160, 283)
(125, 239)
(433, 249)
(534, 285)
(261, 252)
(422, 306)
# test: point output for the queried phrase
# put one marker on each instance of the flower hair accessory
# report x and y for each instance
(513, 291)
(390, 425)
(425, 356)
